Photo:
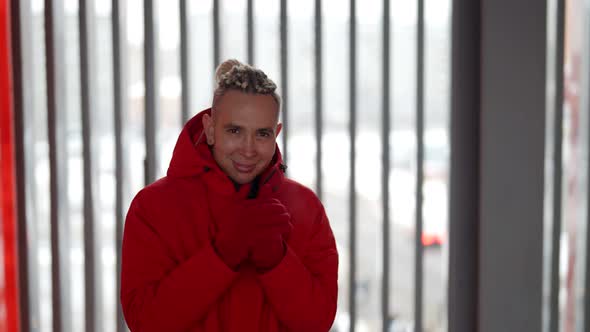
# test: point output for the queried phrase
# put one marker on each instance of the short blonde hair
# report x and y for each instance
(234, 75)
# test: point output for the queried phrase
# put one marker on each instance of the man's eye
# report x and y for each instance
(264, 134)
(233, 130)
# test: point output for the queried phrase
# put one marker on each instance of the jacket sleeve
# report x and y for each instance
(159, 293)
(303, 291)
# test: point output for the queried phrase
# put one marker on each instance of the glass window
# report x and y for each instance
(301, 139)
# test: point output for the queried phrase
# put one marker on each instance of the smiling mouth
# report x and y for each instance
(244, 168)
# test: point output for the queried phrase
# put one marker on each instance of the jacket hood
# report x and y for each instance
(192, 157)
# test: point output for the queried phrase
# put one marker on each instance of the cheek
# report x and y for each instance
(267, 150)
(226, 144)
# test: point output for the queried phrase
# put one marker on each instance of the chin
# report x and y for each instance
(246, 178)
(243, 179)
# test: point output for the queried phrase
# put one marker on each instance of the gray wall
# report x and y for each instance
(513, 71)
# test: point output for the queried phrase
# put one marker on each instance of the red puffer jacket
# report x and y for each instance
(172, 279)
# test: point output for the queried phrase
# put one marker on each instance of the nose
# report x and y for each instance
(249, 147)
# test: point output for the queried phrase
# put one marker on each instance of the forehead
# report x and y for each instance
(238, 107)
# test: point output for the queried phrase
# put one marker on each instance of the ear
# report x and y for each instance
(209, 127)
(279, 127)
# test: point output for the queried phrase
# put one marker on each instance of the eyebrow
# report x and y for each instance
(233, 125)
(265, 129)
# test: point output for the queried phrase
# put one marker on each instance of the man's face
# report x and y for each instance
(243, 131)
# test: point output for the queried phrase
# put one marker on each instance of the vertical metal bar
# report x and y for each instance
(56, 120)
(418, 277)
(557, 168)
(250, 40)
(92, 283)
(352, 193)
(464, 167)
(185, 65)
(319, 96)
(151, 90)
(216, 35)
(585, 107)
(284, 78)
(385, 164)
(21, 59)
(119, 96)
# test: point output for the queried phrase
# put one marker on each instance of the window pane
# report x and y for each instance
(40, 244)
(368, 172)
(75, 163)
(104, 164)
(301, 106)
(201, 40)
(136, 97)
(436, 163)
(402, 181)
(336, 142)
(169, 118)
(233, 30)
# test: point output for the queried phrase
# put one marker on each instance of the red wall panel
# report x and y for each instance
(9, 293)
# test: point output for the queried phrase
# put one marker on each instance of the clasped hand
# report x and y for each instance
(253, 230)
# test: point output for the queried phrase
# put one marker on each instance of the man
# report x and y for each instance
(225, 242)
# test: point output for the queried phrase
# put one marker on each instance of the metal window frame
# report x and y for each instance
(21, 72)
(487, 205)
(586, 310)
(419, 198)
(119, 14)
(512, 165)
(151, 90)
(216, 34)
(250, 31)
(284, 52)
(92, 279)
(556, 217)
(352, 166)
(185, 61)
(586, 106)
(464, 167)
(54, 41)
(319, 97)
(385, 165)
